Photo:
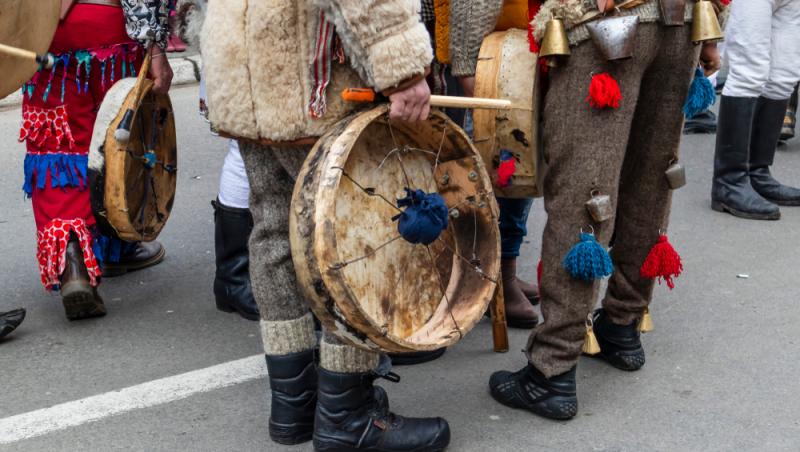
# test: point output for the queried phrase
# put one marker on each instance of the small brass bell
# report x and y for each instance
(676, 176)
(599, 207)
(646, 322)
(672, 12)
(705, 25)
(614, 36)
(555, 43)
(590, 344)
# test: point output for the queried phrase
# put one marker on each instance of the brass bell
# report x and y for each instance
(705, 25)
(555, 43)
(672, 12)
(676, 176)
(614, 36)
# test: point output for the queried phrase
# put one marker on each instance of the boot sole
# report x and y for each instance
(80, 303)
(290, 434)
(225, 307)
(722, 207)
(410, 359)
(784, 203)
(113, 270)
(335, 446)
(522, 324)
(550, 408)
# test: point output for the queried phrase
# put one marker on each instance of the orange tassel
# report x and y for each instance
(441, 9)
(604, 91)
(663, 262)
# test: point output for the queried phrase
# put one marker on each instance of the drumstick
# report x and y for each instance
(497, 309)
(368, 95)
(47, 60)
(123, 132)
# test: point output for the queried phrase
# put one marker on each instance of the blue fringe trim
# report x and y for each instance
(110, 249)
(66, 170)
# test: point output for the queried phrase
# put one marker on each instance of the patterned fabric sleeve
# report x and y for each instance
(147, 20)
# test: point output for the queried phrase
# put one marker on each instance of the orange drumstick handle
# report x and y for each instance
(358, 95)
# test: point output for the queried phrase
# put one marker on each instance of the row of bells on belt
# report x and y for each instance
(614, 36)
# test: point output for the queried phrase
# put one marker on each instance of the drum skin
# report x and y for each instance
(28, 25)
(129, 200)
(507, 69)
(367, 285)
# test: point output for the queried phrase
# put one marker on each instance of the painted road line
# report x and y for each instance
(145, 395)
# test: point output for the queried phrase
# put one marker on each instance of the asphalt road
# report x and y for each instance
(721, 372)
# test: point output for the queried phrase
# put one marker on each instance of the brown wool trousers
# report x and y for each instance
(619, 152)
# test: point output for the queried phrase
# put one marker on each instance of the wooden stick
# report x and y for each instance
(46, 60)
(368, 95)
(497, 308)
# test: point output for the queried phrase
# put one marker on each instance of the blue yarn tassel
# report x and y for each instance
(424, 218)
(110, 249)
(588, 260)
(701, 95)
(66, 170)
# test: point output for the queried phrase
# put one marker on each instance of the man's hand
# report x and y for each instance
(160, 70)
(412, 103)
(710, 59)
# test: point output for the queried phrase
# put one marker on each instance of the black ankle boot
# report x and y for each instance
(528, 389)
(232, 288)
(353, 415)
(767, 126)
(620, 345)
(731, 190)
(293, 380)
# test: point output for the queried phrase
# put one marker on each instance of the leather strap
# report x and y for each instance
(115, 3)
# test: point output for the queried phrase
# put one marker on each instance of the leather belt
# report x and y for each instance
(115, 3)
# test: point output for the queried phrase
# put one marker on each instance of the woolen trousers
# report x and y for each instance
(619, 152)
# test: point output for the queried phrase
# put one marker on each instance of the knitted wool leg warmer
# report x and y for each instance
(283, 337)
(336, 356)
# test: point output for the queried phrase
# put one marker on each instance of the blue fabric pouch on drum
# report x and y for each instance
(424, 218)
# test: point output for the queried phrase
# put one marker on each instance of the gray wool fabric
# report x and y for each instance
(470, 22)
(584, 151)
(286, 323)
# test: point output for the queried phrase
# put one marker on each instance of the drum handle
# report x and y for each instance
(47, 60)
(368, 95)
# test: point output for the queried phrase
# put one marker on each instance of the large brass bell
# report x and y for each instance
(614, 36)
(705, 25)
(672, 12)
(555, 43)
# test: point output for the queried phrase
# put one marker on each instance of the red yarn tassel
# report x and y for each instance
(506, 169)
(604, 91)
(533, 9)
(539, 270)
(663, 262)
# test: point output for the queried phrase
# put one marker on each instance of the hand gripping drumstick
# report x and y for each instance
(368, 95)
(46, 61)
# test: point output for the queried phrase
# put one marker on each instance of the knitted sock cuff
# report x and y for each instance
(284, 337)
(346, 358)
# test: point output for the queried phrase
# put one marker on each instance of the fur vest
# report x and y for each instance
(258, 57)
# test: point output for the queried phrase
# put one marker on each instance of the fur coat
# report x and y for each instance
(258, 60)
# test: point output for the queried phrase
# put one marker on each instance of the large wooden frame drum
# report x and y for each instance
(366, 284)
(133, 184)
(507, 69)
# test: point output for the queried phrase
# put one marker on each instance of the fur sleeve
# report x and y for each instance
(470, 22)
(384, 39)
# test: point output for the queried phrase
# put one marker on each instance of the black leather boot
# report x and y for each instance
(9, 321)
(353, 415)
(413, 358)
(80, 299)
(766, 131)
(620, 345)
(731, 190)
(232, 288)
(138, 256)
(528, 389)
(293, 380)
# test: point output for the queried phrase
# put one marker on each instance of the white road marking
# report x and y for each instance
(152, 393)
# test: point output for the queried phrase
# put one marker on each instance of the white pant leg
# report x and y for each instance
(749, 46)
(234, 189)
(785, 57)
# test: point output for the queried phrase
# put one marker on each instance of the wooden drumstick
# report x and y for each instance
(47, 60)
(497, 309)
(368, 95)
(123, 132)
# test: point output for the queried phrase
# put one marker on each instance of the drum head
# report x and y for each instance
(133, 184)
(29, 25)
(368, 284)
